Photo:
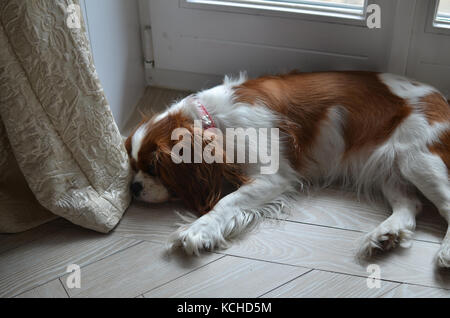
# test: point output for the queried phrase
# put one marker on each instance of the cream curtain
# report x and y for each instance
(61, 153)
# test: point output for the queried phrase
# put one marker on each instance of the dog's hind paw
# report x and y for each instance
(385, 237)
(443, 257)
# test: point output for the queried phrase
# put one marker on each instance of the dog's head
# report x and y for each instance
(159, 174)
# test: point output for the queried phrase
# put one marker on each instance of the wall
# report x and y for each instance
(114, 33)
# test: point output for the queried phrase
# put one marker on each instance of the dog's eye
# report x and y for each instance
(173, 194)
(151, 170)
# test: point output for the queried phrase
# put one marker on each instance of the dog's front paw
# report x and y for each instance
(198, 236)
(386, 236)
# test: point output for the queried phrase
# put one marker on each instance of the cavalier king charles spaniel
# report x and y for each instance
(379, 133)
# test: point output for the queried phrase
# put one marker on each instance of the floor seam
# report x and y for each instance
(387, 292)
(64, 287)
(344, 229)
(331, 271)
(87, 264)
(187, 273)
(285, 283)
(382, 279)
(262, 260)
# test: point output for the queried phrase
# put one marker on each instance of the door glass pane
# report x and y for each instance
(443, 12)
(338, 8)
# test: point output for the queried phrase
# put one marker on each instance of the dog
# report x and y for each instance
(376, 132)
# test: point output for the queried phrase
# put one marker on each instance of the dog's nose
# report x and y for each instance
(136, 188)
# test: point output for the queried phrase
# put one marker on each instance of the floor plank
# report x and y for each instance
(229, 277)
(135, 271)
(319, 284)
(52, 289)
(414, 291)
(39, 261)
(341, 209)
(150, 222)
(333, 250)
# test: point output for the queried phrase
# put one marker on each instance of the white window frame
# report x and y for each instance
(294, 11)
(433, 26)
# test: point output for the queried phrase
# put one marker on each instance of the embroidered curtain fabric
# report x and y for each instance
(61, 153)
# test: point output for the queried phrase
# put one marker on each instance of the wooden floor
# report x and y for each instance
(308, 254)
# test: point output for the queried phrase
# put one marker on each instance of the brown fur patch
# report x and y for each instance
(436, 108)
(304, 99)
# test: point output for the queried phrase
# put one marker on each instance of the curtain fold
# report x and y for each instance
(56, 126)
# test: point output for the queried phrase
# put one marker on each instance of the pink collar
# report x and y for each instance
(206, 118)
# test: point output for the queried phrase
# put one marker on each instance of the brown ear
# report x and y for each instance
(199, 185)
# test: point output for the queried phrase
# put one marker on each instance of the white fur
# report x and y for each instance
(136, 140)
(406, 88)
(153, 190)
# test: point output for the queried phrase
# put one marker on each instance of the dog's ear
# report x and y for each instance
(199, 185)
(214, 151)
